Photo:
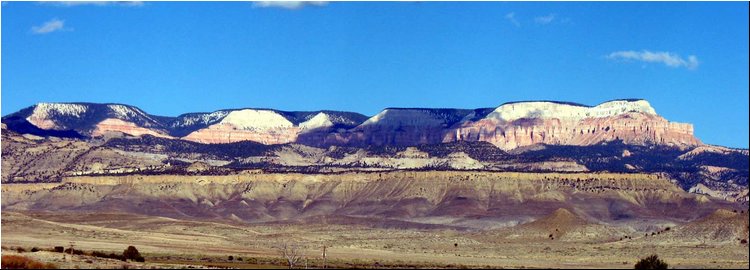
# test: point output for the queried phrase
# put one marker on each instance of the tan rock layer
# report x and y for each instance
(226, 133)
(631, 128)
(117, 125)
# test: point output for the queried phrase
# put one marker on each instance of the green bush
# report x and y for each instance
(651, 262)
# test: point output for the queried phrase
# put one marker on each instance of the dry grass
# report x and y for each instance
(20, 262)
(176, 243)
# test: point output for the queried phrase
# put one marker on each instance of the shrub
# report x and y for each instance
(651, 262)
(99, 254)
(59, 249)
(20, 262)
(231, 258)
(131, 253)
(75, 251)
(743, 241)
(20, 249)
(34, 249)
(108, 256)
(117, 256)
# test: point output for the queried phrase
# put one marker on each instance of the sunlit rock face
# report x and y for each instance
(519, 124)
(117, 125)
(526, 123)
(268, 127)
(508, 126)
(91, 119)
(263, 126)
(632, 128)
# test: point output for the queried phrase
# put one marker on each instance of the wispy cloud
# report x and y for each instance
(288, 4)
(94, 3)
(511, 17)
(49, 27)
(667, 58)
(545, 19)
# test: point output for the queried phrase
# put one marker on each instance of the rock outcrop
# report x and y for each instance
(117, 125)
(631, 127)
(514, 125)
(508, 126)
(263, 126)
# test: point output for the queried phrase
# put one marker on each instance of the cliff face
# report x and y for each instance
(508, 126)
(632, 128)
(227, 133)
(522, 124)
(117, 125)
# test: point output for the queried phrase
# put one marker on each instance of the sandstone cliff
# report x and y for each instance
(508, 126)
(521, 124)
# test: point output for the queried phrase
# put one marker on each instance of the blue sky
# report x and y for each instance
(690, 60)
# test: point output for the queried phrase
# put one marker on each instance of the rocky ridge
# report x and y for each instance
(509, 126)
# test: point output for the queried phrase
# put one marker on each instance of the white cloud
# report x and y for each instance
(545, 19)
(666, 58)
(512, 18)
(95, 3)
(288, 4)
(49, 27)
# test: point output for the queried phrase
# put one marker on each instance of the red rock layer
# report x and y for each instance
(117, 125)
(42, 123)
(631, 128)
(227, 133)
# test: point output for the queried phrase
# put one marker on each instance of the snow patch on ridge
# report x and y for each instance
(320, 120)
(203, 118)
(545, 109)
(122, 112)
(128, 113)
(405, 117)
(250, 119)
(46, 110)
(42, 116)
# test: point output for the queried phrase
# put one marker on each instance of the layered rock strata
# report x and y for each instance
(508, 126)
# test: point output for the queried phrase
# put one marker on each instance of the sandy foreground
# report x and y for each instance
(170, 243)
